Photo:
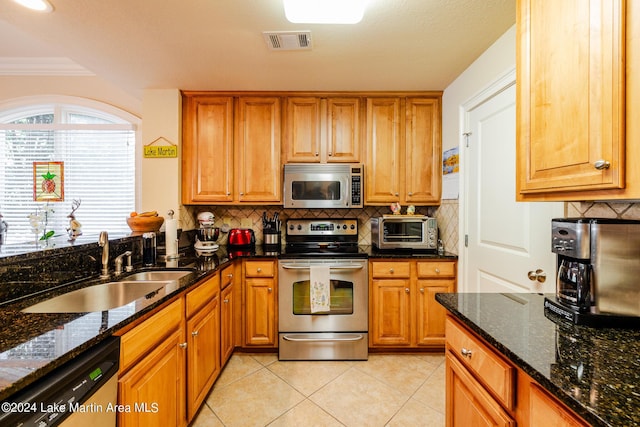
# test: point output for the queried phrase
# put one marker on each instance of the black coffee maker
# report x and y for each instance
(597, 271)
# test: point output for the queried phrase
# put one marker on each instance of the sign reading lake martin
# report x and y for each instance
(160, 148)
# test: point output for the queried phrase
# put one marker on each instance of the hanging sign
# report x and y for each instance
(160, 148)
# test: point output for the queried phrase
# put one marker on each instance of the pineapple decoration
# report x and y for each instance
(48, 181)
(48, 184)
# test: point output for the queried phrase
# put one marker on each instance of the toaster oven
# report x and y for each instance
(404, 232)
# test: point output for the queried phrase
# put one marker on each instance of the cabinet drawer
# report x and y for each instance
(226, 276)
(495, 373)
(259, 269)
(202, 294)
(436, 269)
(140, 340)
(390, 269)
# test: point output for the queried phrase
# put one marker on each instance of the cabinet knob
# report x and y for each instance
(396, 194)
(230, 276)
(182, 345)
(228, 193)
(316, 154)
(422, 290)
(391, 270)
(406, 290)
(259, 270)
(270, 289)
(241, 193)
(226, 300)
(195, 333)
(410, 193)
(437, 271)
(330, 154)
(466, 353)
(602, 164)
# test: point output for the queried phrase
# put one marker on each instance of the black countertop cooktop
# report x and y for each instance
(594, 371)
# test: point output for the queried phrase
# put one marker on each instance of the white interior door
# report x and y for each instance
(504, 239)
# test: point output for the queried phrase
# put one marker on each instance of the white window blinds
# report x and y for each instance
(98, 152)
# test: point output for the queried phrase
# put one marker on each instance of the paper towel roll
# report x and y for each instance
(171, 236)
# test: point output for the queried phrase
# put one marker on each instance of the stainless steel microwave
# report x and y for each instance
(404, 232)
(334, 185)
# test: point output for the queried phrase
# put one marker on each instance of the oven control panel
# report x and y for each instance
(322, 227)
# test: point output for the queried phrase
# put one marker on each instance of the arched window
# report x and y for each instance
(96, 144)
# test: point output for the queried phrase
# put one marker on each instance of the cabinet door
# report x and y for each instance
(430, 314)
(383, 145)
(260, 312)
(570, 94)
(390, 316)
(207, 149)
(226, 324)
(542, 406)
(154, 388)
(302, 130)
(423, 151)
(467, 403)
(257, 150)
(203, 349)
(343, 130)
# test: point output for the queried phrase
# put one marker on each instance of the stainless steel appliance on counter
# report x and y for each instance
(323, 186)
(404, 232)
(598, 265)
(323, 292)
(80, 393)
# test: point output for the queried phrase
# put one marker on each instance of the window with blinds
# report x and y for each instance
(98, 151)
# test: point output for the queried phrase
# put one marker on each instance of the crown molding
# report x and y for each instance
(41, 66)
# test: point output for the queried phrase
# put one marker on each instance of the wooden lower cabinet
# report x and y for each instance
(169, 362)
(227, 312)
(484, 389)
(152, 382)
(403, 312)
(260, 304)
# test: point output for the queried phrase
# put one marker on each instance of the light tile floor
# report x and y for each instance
(386, 390)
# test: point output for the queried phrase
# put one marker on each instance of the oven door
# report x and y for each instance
(337, 334)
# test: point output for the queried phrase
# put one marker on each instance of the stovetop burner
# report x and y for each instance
(322, 236)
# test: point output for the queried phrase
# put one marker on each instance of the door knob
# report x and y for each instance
(538, 275)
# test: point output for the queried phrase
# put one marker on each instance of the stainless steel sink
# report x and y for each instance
(105, 296)
(171, 275)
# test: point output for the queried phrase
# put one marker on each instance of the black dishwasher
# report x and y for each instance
(67, 392)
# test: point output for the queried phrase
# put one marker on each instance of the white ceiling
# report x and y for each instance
(218, 44)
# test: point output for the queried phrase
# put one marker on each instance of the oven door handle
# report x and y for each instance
(357, 337)
(331, 267)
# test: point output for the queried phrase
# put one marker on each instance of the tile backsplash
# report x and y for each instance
(447, 216)
(618, 210)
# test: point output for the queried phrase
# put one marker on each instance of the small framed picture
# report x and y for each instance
(48, 181)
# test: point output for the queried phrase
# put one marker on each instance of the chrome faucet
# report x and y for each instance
(103, 242)
(118, 263)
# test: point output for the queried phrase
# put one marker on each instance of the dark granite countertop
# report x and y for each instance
(594, 371)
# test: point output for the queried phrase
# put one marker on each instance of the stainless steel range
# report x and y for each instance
(323, 292)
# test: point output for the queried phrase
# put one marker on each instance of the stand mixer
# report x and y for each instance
(206, 235)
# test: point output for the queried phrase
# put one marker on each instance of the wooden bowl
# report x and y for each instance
(145, 223)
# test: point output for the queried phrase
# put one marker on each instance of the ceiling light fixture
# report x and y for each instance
(324, 11)
(37, 5)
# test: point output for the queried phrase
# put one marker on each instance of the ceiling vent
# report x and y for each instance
(288, 40)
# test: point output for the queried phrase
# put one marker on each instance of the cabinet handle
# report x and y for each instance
(317, 154)
(241, 193)
(602, 164)
(259, 270)
(406, 290)
(396, 194)
(270, 289)
(330, 154)
(437, 271)
(410, 193)
(195, 333)
(183, 345)
(391, 270)
(226, 300)
(228, 193)
(230, 276)
(466, 353)
(422, 290)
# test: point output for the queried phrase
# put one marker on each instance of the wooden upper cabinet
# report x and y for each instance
(383, 144)
(423, 151)
(322, 130)
(571, 99)
(257, 150)
(207, 149)
(404, 150)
